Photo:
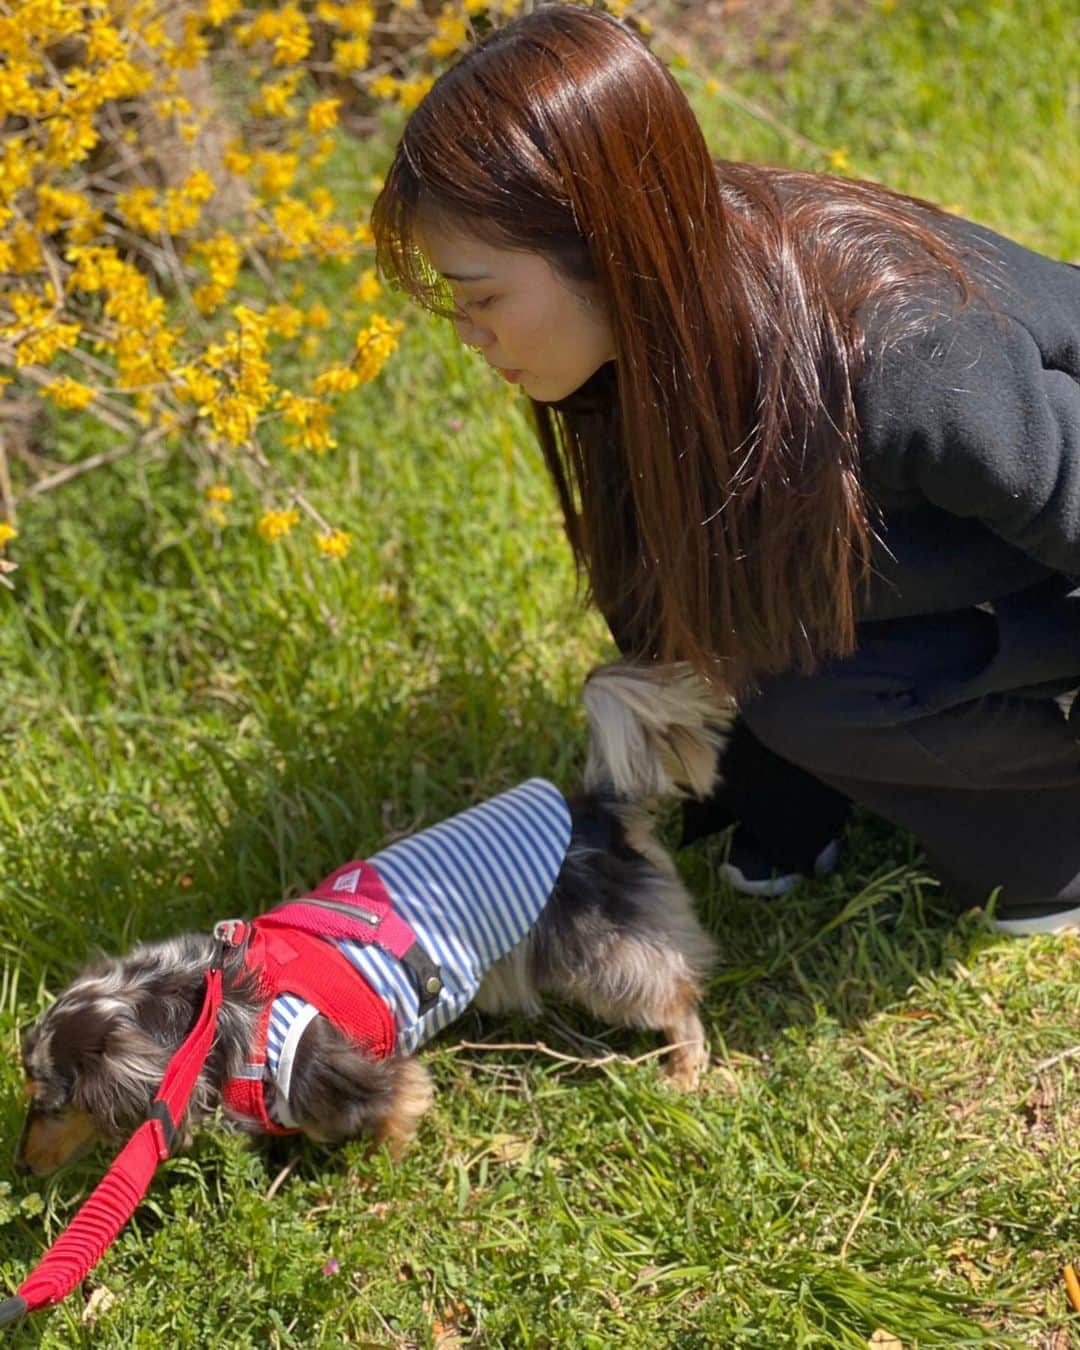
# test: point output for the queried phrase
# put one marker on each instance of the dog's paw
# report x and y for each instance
(685, 1065)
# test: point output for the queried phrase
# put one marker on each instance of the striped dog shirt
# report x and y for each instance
(471, 888)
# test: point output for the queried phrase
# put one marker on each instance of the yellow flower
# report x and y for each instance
(70, 140)
(218, 12)
(413, 91)
(181, 212)
(40, 348)
(451, 32)
(237, 160)
(70, 394)
(336, 380)
(219, 492)
(309, 419)
(297, 225)
(335, 544)
(333, 241)
(26, 250)
(276, 523)
(839, 160)
(94, 267)
(367, 288)
(223, 256)
(139, 210)
(351, 54)
(277, 169)
(104, 43)
(209, 297)
(384, 86)
(321, 153)
(285, 320)
(7, 533)
(323, 116)
(198, 186)
(59, 206)
(318, 316)
(275, 100)
(374, 345)
(293, 39)
(233, 418)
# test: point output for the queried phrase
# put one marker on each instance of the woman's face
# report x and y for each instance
(533, 326)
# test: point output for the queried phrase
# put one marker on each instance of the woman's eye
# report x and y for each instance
(486, 303)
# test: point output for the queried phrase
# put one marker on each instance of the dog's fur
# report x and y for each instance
(618, 937)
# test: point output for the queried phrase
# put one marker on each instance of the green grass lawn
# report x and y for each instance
(194, 722)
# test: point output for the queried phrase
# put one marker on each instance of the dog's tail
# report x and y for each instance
(654, 731)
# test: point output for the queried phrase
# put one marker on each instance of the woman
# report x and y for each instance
(818, 438)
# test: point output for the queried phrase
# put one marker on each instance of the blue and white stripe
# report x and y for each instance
(470, 887)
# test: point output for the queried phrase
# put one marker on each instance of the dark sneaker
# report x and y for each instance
(749, 871)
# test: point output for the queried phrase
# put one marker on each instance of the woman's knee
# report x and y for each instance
(806, 719)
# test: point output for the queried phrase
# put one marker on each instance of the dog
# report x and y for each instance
(616, 936)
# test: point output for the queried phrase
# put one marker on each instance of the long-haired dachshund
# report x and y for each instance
(617, 936)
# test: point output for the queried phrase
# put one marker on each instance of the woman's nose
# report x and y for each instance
(472, 333)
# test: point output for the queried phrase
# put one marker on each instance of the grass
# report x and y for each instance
(195, 722)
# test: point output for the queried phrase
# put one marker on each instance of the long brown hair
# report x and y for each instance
(709, 477)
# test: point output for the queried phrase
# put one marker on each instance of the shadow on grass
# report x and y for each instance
(248, 829)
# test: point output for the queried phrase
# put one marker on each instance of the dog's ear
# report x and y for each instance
(338, 1093)
(116, 1062)
(91, 1074)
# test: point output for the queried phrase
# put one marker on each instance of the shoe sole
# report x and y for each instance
(775, 886)
(1061, 921)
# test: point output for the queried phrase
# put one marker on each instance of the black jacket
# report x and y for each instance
(970, 436)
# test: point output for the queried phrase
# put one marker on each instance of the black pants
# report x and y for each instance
(951, 726)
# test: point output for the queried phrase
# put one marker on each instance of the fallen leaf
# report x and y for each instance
(510, 1148)
(502, 1148)
(100, 1301)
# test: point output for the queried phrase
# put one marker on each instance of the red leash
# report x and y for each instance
(116, 1197)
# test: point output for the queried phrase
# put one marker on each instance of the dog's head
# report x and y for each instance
(94, 1059)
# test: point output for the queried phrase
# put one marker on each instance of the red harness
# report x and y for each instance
(291, 949)
(298, 963)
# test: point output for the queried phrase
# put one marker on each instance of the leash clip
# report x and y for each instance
(228, 933)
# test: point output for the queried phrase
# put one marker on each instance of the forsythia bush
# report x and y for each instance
(161, 204)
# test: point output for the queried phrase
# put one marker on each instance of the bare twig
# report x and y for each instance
(296, 496)
(892, 1153)
(594, 1061)
(56, 480)
(281, 1178)
(7, 497)
(111, 416)
(1071, 1053)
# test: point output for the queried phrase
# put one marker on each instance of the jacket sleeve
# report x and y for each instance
(968, 418)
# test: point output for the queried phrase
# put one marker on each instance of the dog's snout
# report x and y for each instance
(51, 1139)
